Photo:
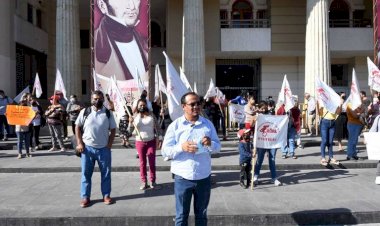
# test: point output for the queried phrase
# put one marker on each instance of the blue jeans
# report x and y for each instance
(289, 148)
(103, 157)
(184, 190)
(23, 137)
(271, 159)
(327, 135)
(353, 135)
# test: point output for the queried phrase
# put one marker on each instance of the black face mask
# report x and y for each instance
(34, 103)
(143, 109)
(143, 96)
(98, 104)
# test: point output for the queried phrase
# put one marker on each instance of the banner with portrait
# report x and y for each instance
(120, 43)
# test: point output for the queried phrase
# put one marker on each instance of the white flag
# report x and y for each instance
(59, 85)
(326, 96)
(17, 99)
(97, 84)
(356, 100)
(271, 131)
(140, 82)
(159, 84)
(195, 88)
(175, 90)
(236, 113)
(285, 95)
(373, 75)
(373, 145)
(211, 92)
(37, 86)
(116, 97)
(184, 79)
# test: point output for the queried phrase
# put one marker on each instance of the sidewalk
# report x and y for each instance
(44, 190)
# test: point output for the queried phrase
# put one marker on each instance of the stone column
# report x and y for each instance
(68, 59)
(7, 48)
(317, 55)
(193, 44)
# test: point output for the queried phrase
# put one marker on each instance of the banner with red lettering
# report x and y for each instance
(236, 113)
(271, 131)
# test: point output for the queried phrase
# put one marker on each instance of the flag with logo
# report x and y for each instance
(175, 90)
(159, 85)
(285, 95)
(37, 86)
(271, 131)
(373, 75)
(326, 96)
(236, 113)
(356, 100)
(59, 85)
(97, 83)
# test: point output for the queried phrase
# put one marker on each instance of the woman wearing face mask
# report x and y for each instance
(54, 115)
(23, 133)
(146, 140)
(73, 109)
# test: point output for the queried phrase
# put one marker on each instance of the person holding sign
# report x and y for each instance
(23, 133)
(189, 142)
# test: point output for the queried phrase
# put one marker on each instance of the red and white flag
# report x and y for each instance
(326, 96)
(175, 90)
(37, 86)
(271, 131)
(59, 85)
(285, 95)
(373, 75)
(356, 100)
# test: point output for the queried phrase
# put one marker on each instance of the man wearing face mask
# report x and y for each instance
(4, 101)
(73, 109)
(95, 133)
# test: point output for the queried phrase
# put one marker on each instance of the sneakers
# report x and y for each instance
(154, 185)
(38, 147)
(5, 138)
(277, 182)
(84, 202)
(377, 181)
(324, 162)
(31, 149)
(255, 181)
(28, 155)
(242, 184)
(19, 156)
(52, 149)
(144, 186)
(107, 200)
(66, 139)
(63, 149)
(283, 156)
(294, 157)
(334, 161)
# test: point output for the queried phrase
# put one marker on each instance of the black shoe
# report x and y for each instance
(353, 157)
(242, 184)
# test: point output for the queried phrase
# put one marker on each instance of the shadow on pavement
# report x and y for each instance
(336, 216)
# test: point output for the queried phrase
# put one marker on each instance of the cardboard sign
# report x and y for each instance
(19, 115)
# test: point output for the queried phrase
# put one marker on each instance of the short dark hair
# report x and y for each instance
(183, 98)
(262, 104)
(97, 92)
(363, 93)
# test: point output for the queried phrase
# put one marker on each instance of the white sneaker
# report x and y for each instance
(52, 149)
(277, 182)
(63, 149)
(255, 180)
(377, 181)
(31, 149)
(166, 159)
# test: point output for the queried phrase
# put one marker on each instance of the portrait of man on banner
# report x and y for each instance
(121, 38)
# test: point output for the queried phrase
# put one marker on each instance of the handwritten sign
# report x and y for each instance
(19, 115)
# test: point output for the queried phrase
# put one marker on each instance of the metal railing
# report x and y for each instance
(248, 23)
(350, 23)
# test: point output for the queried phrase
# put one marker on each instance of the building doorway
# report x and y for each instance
(235, 76)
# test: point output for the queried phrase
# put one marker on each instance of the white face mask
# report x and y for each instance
(1, 96)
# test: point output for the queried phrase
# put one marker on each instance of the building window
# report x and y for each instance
(39, 18)
(30, 13)
(155, 34)
(242, 14)
(223, 14)
(339, 14)
(339, 75)
(84, 87)
(84, 39)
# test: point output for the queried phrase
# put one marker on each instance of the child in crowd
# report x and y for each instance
(245, 159)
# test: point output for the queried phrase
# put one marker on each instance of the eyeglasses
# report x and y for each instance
(195, 104)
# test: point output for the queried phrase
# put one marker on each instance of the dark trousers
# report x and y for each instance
(245, 172)
(73, 126)
(34, 135)
(64, 124)
(3, 123)
(184, 190)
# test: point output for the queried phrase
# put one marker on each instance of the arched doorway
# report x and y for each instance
(339, 14)
(242, 13)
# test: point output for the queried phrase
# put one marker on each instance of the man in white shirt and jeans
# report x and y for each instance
(311, 113)
(189, 142)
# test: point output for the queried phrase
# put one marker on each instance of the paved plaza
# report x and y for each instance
(44, 190)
